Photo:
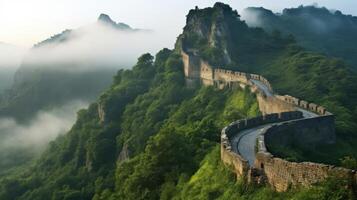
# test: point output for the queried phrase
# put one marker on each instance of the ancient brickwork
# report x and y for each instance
(238, 164)
(192, 67)
(282, 174)
(271, 104)
(304, 104)
(206, 73)
(307, 132)
(279, 173)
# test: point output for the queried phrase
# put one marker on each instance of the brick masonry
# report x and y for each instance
(279, 173)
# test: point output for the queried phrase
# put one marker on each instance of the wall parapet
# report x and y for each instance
(239, 164)
(196, 68)
(282, 174)
(320, 110)
(279, 173)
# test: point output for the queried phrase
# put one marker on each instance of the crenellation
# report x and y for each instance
(304, 104)
(313, 107)
(289, 125)
(321, 110)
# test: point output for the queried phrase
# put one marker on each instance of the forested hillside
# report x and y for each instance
(317, 28)
(48, 78)
(55, 78)
(215, 33)
(150, 137)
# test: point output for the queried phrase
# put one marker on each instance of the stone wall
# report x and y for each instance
(230, 76)
(238, 164)
(282, 174)
(304, 104)
(271, 104)
(206, 73)
(191, 65)
(307, 132)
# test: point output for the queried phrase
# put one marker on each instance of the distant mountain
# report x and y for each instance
(53, 79)
(103, 19)
(149, 136)
(72, 65)
(10, 58)
(316, 28)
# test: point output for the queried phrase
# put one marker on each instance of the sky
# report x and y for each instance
(26, 22)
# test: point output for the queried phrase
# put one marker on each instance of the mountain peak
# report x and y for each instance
(106, 19)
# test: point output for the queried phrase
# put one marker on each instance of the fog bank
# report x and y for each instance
(21, 140)
(97, 46)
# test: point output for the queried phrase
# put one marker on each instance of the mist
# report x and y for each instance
(87, 51)
(19, 142)
(252, 18)
(10, 56)
(312, 16)
(97, 45)
(10, 59)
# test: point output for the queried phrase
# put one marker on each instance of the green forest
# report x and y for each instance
(159, 139)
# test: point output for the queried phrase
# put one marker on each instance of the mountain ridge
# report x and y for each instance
(171, 132)
(315, 28)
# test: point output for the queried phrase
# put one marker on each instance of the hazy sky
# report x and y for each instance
(25, 22)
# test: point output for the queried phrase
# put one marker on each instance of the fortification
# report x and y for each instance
(191, 68)
(314, 125)
(282, 174)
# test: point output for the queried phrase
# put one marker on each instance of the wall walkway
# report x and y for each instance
(285, 119)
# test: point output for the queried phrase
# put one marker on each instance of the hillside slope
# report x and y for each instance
(49, 78)
(316, 28)
(150, 137)
(56, 77)
(10, 58)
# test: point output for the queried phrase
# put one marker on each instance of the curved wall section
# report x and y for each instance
(282, 174)
(306, 132)
(317, 127)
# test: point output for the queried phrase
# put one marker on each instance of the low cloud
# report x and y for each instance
(10, 56)
(309, 15)
(93, 47)
(10, 59)
(252, 17)
(97, 45)
(21, 140)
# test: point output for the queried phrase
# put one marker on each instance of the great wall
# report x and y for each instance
(284, 119)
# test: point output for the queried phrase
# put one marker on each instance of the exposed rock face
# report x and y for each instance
(101, 113)
(89, 163)
(124, 154)
(214, 30)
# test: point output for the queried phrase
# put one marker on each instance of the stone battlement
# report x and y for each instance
(290, 124)
(305, 105)
(282, 174)
(230, 158)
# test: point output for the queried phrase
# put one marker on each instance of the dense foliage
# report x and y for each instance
(328, 82)
(290, 68)
(150, 137)
(149, 100)
(316, 28)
